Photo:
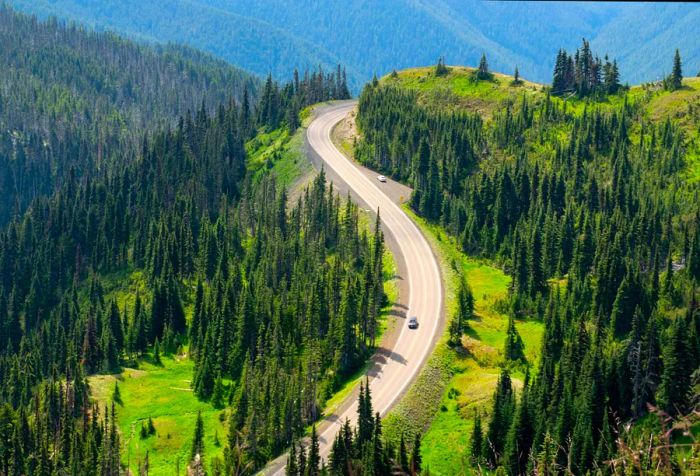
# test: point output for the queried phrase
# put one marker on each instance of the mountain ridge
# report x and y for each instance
(371, 38)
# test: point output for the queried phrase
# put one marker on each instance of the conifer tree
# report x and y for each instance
(197, 448)
(440, 68)
(465, 311)
(116, 394)
(516, 76)
(477, 440)
(313, 465)
(675, 380)
(514, 347)
(403, 455)
(416, 463)
(483, 70)
(676, 78)
(501, 417)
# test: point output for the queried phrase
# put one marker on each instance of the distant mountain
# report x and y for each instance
(646, 38)
(374, 37)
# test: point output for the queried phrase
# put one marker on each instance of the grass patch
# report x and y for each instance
(279, 153)
(457, 89)
(162, 393)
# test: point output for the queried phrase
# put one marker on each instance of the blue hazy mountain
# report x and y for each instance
(373, 37)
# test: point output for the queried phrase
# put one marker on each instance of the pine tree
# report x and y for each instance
(501, 417)
(483, 72)
(217, 396)
(197, 448)
(516, 76)
(676, 78)
(416, 459)
(116, 394)
(477, 440)
(313, 465)
(382, 465)
(403, 455)
(514, 347)
(675, 380)
(465, 311)
(291, 468)
(440, 68)
(519, 438)
(156, 353)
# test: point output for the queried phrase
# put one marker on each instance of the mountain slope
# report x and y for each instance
(657, 30)
(71, 101)
(374, 37)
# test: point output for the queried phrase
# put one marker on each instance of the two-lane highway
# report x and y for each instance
(390, 378)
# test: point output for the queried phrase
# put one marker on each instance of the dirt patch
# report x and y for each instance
(344, 135)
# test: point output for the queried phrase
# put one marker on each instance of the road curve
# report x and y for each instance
(391, 376)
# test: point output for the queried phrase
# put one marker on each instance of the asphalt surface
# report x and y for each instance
(402, 355)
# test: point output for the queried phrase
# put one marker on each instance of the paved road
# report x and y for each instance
(400, 364)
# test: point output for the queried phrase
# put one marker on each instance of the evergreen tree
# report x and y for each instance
(514, 347)
(675, 379)
(477, 440)
(501, 416)
(197, 448)
(440, 68)
(465, 311)
(416, 462)
(313, 465)
(483, 72)
(676, 79)
(116, 394)
(403, 455)
(516, 76)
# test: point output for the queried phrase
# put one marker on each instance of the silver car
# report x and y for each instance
(413, 323)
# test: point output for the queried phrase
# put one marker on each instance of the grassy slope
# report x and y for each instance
(459, 383)
(163, 392)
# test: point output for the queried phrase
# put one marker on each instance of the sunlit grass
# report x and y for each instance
(163, 394)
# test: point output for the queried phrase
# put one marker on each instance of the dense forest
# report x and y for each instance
(284, 297)
(74, 102)
(586, 205)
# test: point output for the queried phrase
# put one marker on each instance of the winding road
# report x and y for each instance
(398, 363)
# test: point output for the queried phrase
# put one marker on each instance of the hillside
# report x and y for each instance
(374, 37)
(457, 91)
(574, 222)
(74, 102)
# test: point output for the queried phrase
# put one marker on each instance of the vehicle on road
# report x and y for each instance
(381, 178)
(413, 323)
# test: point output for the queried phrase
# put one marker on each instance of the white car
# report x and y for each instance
(381, 178)
(413, 323)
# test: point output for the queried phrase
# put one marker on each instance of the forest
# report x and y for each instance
(57, 87)
(276, 301)
(586, 203)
